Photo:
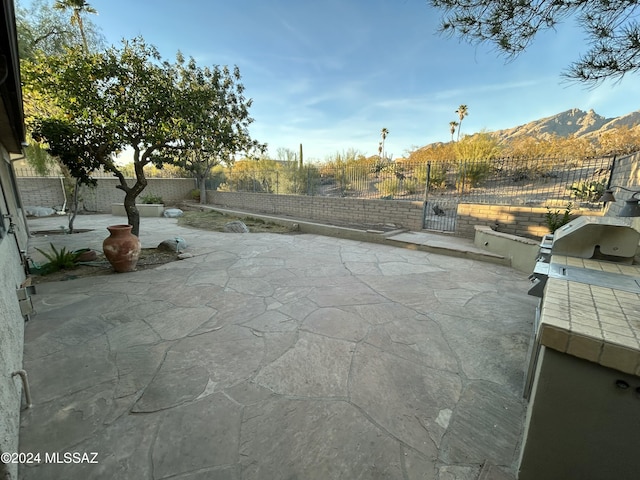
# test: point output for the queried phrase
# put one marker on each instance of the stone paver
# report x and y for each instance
(277, 356)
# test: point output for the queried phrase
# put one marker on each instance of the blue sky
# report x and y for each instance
(332, 74)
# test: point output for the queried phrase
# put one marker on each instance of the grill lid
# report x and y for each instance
(587, 235)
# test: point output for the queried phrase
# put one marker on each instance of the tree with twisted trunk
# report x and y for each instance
(130, 97)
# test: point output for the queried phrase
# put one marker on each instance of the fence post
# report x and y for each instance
(426, 195)
(277, 182)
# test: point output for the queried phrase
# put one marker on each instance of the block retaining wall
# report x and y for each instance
(528, 222)
(523, 221)
(48, 192)
(345, 210)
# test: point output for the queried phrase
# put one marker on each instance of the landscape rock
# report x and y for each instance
(184, 256)
(236, 227)
(172, 213)
(86, 255)
(39, 211)
(176, 244)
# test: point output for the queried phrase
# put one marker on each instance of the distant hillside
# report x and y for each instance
(572, 122)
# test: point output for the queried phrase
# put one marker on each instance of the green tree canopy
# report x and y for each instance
(213, 135)
(48, 30)
(130, 97)
(611, 29)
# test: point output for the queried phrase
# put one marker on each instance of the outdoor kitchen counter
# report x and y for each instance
(592, 322)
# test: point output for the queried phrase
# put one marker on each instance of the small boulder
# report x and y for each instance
(236, 227)
(176, 244)
(184, 256)
(32, 211)
(172, 213)
(86, 255)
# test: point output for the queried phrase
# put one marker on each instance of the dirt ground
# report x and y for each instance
(152, 257)
(215, 221)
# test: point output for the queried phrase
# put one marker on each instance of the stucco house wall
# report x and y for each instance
(13, 239)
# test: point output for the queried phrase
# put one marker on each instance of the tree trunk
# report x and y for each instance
(133, 215)
(74, 206)
(203, 190)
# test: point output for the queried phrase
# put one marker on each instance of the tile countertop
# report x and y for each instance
(595, 323)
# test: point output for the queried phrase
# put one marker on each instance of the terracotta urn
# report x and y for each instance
(121, 248)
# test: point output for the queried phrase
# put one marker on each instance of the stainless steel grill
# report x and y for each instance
(602, 238)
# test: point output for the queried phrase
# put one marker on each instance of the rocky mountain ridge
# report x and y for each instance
(571, 122)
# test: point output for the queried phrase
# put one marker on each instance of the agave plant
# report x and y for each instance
(62, 259)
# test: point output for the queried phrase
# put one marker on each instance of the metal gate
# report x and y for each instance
(440, 210)
(440, 213)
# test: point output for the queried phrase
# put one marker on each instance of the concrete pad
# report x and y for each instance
(182, 445)
(279, 356)
(336, 323)
(179, 322)
(225, 357)
(315, 439)
(272, 321)
(403, 399)
(486, 425)
(73, 368)
(419, 341)
(129, 441)
(316, 366)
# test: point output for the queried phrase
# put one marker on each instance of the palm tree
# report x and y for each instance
(383, 133)
(452, 126)
(78, 7)
(462, 112)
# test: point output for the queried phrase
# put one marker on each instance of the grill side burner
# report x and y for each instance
(598, 278)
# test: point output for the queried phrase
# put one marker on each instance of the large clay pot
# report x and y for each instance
(122, 248)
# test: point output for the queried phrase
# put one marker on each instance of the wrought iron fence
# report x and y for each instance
(507, 181)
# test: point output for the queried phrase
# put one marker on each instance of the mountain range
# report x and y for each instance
(571, 122)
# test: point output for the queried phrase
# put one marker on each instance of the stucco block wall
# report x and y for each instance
(345, 210)
(515, 220)
(48, 192)
(11, 320)
(626, 173)
(41, 192)
(524, 221)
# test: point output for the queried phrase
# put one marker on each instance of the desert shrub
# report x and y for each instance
(473, 174)
(301, 181)
(195, 194)
(437, 175)
(588, 191)
(411, 186)
(390, 186)
(555, 219)
(150, 198)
